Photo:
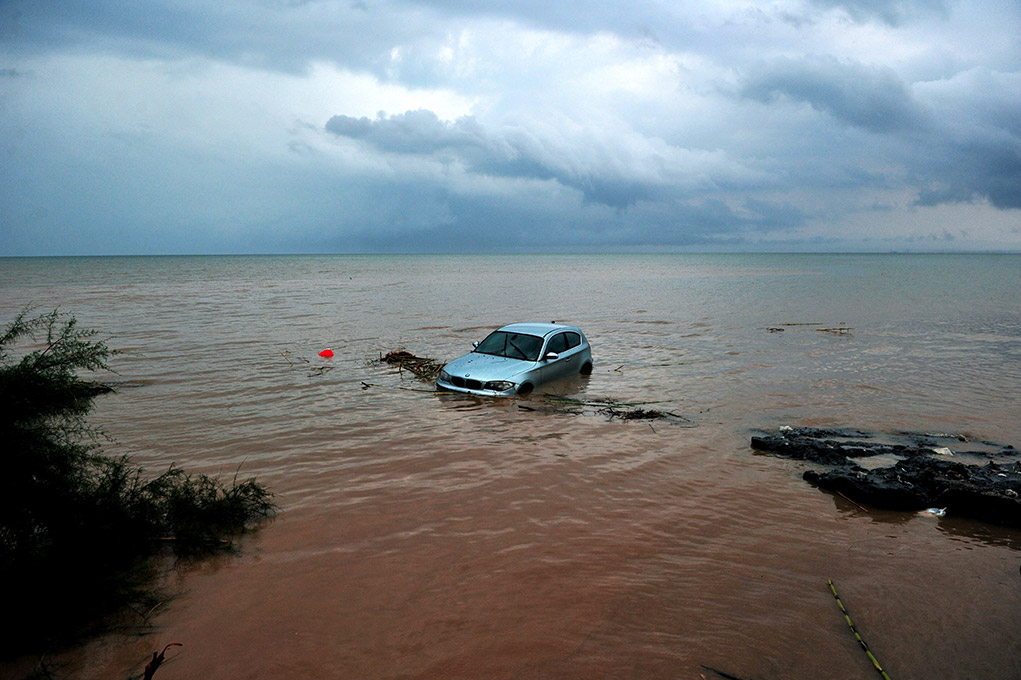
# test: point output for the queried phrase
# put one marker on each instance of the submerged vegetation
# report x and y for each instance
(79, 528)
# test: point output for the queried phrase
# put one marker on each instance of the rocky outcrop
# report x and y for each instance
(982, 483)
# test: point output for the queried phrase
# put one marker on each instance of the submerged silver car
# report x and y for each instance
(517, 358)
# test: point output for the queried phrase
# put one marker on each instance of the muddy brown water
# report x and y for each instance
(434, 536)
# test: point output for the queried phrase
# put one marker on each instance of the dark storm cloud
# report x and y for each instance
(268, 34)
(411, 132)
(959, 144)
(960, 172)
(514, 153)
(869, 97)
(975, 149)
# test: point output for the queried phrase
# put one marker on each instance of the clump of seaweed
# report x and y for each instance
(423, 368)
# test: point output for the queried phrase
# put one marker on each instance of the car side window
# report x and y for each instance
(573, 340)
(558, 343)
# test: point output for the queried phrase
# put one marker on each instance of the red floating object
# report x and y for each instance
(326, 353)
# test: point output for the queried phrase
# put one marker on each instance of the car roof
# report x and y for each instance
(537, 328)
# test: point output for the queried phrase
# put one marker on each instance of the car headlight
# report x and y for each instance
(499, 385)
(444, 376)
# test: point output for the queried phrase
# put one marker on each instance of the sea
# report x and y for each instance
(423, 535)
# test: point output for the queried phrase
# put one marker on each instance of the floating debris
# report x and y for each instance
(157, 661)
(423, 368)
(722, 674)
(625, 411)
(288, 359)
(313, 371)
(636, 413)
(840, 329)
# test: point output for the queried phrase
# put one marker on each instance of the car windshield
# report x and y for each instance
(511, 345)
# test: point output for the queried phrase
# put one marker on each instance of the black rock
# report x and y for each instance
(919, 479)
(799, 446)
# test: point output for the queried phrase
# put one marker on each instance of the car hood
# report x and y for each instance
(485, 367)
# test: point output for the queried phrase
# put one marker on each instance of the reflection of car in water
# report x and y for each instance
(517, 358)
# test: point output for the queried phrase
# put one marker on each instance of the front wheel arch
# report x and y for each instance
(526, 388)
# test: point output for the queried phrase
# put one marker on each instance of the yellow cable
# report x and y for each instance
(857, 636)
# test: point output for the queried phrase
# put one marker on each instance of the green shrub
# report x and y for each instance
(78, 527)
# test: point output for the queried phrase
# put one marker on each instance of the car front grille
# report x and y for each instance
(458, 381)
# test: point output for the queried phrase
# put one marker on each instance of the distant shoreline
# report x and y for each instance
(642, 253)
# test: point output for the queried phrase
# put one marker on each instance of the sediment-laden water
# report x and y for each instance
(435, 536)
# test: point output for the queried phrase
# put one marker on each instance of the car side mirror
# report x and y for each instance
(551, 356)
(475, 344)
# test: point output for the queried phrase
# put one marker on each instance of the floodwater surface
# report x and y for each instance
(425, 535)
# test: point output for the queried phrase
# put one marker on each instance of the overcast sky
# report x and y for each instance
(264, 126)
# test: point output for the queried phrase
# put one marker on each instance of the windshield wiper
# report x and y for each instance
(520, 351)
